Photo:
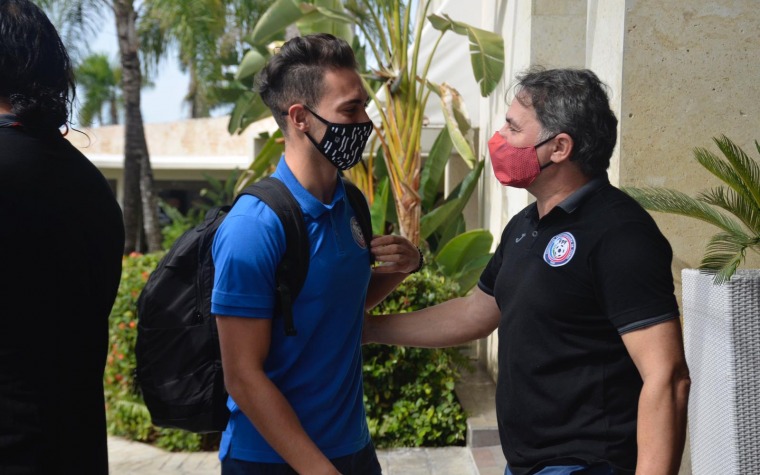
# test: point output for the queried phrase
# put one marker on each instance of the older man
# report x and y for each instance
(592, 375)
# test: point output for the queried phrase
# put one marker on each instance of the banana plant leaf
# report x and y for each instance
(276, 19)
(454, 205)
(253, 62)
(470, 274)
(265, 159)
(379, 208)
(329, 16)
(457, 120)
(434, 169)
(446, 233)
(248, 109)
(486, 51)
(457, 123)
(465, 255)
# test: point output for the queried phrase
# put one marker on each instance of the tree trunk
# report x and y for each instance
(113, 106)
(138, 177)
(198, 105)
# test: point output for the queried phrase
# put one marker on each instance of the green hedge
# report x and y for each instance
(408, 391)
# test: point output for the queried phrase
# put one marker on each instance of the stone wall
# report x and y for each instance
(690, 73)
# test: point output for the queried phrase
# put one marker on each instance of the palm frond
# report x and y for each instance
(745, 167)
(724, 254)
(674, 202)
(722, 170)
(736, 204)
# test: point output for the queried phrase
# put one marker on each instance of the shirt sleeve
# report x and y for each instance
(487, 280)
(247, 248)
(632, 276)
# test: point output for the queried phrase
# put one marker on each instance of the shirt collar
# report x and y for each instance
(572, 202)
(576, 198)
(309, 203)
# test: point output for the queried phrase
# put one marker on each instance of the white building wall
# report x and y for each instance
(549, 33)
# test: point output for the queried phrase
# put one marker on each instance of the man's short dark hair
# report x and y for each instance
(35, 71)
(573, 101)
(296, 73)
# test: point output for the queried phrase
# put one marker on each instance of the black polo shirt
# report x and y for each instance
(568, 285)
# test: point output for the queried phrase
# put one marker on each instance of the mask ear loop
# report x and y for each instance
(542, 167)
(308, 136)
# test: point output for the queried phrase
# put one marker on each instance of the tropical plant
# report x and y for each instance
(207, 35)
(409, 392)
(739, 196)
(264, 162)
(140, 202)
(395, 40)
(401, 190)
(100, 79)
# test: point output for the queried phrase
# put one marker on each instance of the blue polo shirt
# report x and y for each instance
(319, 371)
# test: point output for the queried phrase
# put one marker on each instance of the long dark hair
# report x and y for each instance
(36, 76)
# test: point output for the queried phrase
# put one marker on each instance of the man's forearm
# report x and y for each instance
(451, 323)
(380, 285)
(661, 429)
(266, 407)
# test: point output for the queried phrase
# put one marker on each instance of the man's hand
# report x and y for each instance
(395, 254)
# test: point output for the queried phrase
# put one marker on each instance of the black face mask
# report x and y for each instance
(343, 144)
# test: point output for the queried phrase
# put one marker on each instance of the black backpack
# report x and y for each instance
(179, 364)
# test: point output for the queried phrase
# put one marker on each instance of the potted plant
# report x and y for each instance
(721, 306)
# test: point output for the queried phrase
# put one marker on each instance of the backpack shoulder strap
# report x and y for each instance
(292, 269)
(361, 208)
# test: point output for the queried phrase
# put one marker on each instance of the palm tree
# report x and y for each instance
(100, 80)
(138, 174)
(140, 202)
(207, 35)
(739, 196)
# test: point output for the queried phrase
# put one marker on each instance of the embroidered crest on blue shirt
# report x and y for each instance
(356, 230)
(560, 250)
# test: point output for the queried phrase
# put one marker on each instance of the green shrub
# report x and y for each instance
(178, 225)
(409, 392)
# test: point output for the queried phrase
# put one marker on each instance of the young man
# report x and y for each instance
(592, 376)
(297, 402)
(63, 239)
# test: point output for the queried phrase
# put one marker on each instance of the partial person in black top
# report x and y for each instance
(592, 375)
(62, 238)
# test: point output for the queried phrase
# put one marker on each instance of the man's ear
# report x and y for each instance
(563, 148)
(297, 115)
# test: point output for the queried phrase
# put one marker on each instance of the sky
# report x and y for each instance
(163, 101)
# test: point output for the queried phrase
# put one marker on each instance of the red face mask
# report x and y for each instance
(514, 166)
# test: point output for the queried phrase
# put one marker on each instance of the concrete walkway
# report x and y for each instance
(135, 458)
(481, 456)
